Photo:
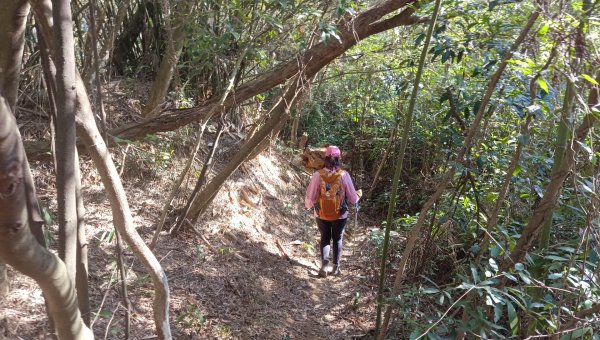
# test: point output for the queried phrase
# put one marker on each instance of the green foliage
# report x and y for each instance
(48, 218)
(377, 236)
(309, 248)
(106, 236)
(225, 251)
(406, 222)
(356, 109)
(358, 100)
(149, 157)
(192, 317)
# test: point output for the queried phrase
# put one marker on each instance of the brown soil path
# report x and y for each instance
(248, 269)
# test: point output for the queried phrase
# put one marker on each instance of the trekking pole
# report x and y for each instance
(356, 216)
(356, 208)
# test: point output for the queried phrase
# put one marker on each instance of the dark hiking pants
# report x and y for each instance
(331, 231)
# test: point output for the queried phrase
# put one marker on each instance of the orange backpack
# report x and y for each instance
(331, 195)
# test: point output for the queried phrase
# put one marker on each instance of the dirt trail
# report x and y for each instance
(260, 280)
(248, 269)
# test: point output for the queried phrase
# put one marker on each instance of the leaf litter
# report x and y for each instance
(247, 269)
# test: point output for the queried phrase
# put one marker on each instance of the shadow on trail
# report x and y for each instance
(255, 295)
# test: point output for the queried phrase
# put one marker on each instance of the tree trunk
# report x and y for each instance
(19, 248)
(564, 125)
(116, 26)
(351, 32)
(273, 135)
(279, 112)
(13, 18)
(381, 329)
(562, 140)
(230, 85)
(524, 130)
(4, 280)
(201, 179)
(548, 201)
(81, 276)
(66, 162)
(138, 37)
(95, 74)
(88, 131)
(494, 215)
(176, 38)
(294, 129)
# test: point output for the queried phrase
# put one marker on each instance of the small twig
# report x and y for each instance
(210, 246)
(110, 321)
(490, 236)
(123, 161)
(40, 113)
(547, 336)
(104, 297)
(123, 274)
(280, 247)
(162, 258)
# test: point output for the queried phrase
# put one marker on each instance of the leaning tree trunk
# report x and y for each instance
(176, 38)
(370, 22)
(351, 31)
(380, 332)
(524, 130)
(279, 112)
(228, 89)
(18, 246)
(89, 133)
(546, 205)
(564, 124)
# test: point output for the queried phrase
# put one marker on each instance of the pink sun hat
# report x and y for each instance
(333, 151)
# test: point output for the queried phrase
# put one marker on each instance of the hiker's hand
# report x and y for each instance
(359, 193)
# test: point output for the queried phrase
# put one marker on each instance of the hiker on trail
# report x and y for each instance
(329, 192)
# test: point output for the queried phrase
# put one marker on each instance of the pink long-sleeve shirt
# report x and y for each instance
(312, 192)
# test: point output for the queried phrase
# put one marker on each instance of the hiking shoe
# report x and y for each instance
(322, 272)
(336, 271)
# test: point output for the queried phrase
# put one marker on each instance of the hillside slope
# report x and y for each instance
(247, 269)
